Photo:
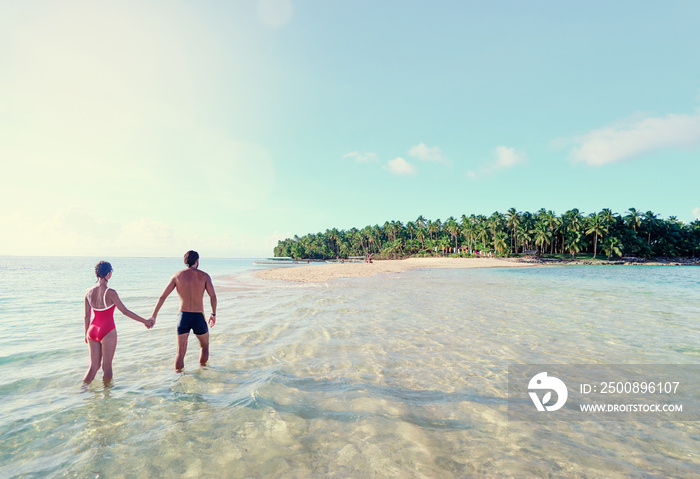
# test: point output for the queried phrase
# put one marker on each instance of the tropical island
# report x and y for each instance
(502, 240)
(543, 235)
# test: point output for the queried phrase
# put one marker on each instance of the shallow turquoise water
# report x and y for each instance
(395, 376)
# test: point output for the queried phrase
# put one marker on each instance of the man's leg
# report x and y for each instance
(204, 343)
(181, 350)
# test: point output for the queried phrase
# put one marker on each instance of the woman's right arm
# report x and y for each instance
(88, 311)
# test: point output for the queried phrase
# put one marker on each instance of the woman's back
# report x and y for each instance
(97, 298)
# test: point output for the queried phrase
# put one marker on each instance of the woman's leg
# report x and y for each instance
(95, 361)
(109, 346)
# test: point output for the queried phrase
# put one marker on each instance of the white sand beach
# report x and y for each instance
(328, 271)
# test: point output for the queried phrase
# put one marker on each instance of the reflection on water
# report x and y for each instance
(398, 376)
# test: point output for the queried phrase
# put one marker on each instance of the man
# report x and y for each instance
(191, 284)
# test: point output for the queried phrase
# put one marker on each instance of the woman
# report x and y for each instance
(101, 333)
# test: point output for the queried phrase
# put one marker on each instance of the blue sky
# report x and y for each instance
(148, 128)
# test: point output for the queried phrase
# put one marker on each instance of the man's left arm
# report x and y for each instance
(209, 286)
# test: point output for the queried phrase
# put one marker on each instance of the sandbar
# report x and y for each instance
(314, 273)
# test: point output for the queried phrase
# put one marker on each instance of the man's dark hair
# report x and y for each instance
(102, 269)
(191, 258)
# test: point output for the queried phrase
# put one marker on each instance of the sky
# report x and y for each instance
(147, 128)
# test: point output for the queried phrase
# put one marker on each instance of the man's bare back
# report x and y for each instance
(191, 283)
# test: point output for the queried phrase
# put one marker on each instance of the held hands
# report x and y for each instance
(212, 320)
(149, 323)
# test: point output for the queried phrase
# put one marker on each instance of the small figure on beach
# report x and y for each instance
(101, 332)
(191, 283)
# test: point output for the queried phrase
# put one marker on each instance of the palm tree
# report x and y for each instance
(574, 242)
(596, 228)
(434, 227)
(378, 236)
(556, 226)
(411, 228)
(453, 228)
(356, 241)
(397, 228)
(633, 219)
(612, 246)
(344, 249)
(482, 231)
(386, 230)
(393, 249)
(499, 242)
(420, 236)
(333, 237)
(469, 229)
(513, 221)
(444, 244)
(572, 221)
(367, 239)
(608, 218)
(524, 234)
(497, 222)
(649, 224)
(543, 234)
(412, 247)
(298, 250)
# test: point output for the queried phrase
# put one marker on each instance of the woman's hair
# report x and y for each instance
(102, 269)
(191, 258)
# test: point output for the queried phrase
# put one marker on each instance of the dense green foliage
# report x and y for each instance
(607, 233)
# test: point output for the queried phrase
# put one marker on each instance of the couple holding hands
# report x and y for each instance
(101, 333)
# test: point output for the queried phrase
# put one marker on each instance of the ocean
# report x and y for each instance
(402, 375)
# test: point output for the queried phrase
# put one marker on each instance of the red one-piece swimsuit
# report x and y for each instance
(103, 321)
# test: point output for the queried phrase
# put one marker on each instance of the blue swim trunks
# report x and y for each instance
(191, 321)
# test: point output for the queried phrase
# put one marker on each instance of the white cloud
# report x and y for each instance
(364, 157)
(427, 153)
(631, 139)
(507, 158)
(399, 166)
(696, 213)
(504, 159)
